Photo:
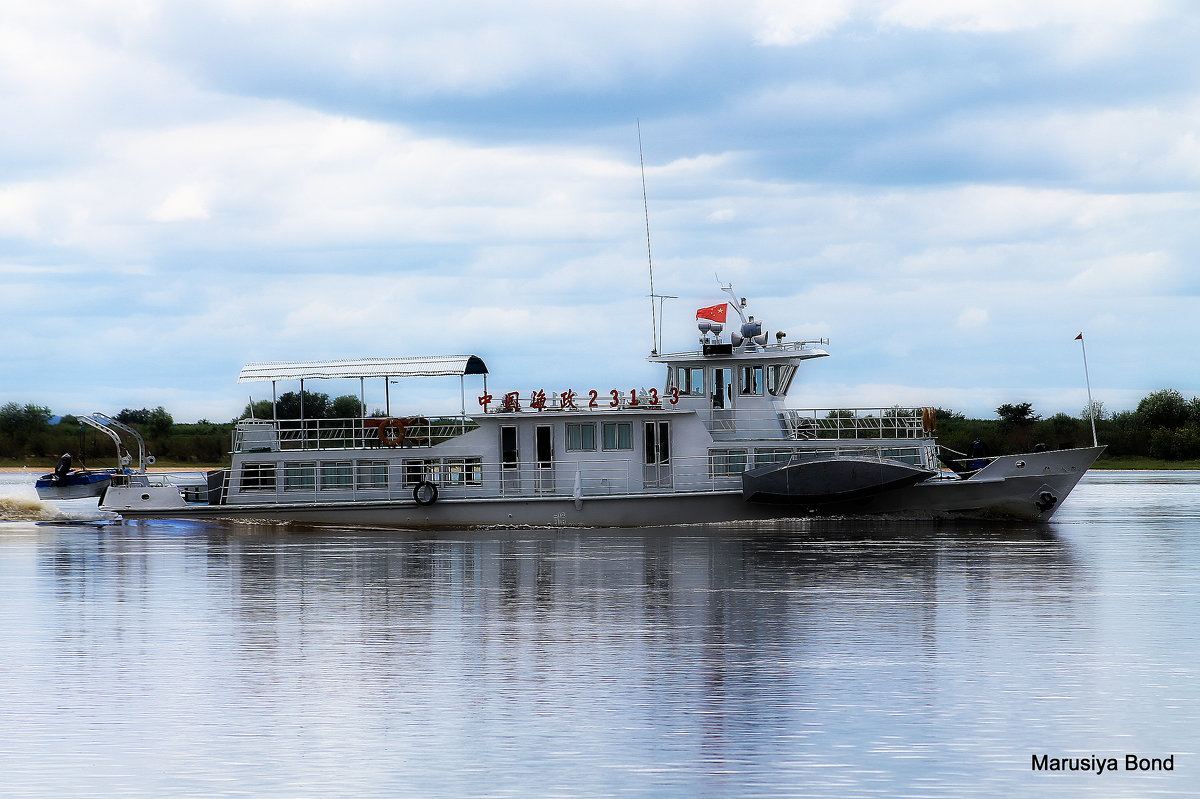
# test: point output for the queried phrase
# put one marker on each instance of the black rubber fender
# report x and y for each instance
(425, 493)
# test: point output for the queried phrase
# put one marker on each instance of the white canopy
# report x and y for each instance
(423, 366)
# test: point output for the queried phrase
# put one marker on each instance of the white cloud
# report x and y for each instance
(184, 203)
(1004, 16)
(786, 22)
(283, 179)
(972, 318)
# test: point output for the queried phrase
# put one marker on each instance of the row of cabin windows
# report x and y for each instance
(614, 436)
(753, 379)
(364, 475)
(581, 437)
(727, 462)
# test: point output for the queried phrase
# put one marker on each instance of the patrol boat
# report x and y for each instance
(716, 443)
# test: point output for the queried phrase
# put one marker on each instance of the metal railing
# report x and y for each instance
(818, 424)
(365, 479)
(347, 434)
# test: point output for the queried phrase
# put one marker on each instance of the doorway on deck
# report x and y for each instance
(656, 468)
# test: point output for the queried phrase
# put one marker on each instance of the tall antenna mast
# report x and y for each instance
(649, 257)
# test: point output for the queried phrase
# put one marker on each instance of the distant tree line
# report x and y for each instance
(1165, 426)
(26, 431)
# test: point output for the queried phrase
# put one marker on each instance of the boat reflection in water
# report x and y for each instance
(825, 657)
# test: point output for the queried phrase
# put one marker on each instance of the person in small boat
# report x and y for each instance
(64, 467)
(977, 455)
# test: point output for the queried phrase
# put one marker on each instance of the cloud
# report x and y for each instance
(932, 185)
(972, 318)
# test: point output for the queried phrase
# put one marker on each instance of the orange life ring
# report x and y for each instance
(393, 439)
(929, 419)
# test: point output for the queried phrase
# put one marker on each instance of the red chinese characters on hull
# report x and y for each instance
(539, 400)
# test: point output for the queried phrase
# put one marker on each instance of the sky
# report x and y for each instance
(948, 191)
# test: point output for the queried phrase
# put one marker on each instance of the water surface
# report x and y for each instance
(812, 658)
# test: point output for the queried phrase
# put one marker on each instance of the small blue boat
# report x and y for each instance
(67, 483)
(79, 484)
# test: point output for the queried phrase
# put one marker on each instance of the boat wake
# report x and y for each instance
(20, 509)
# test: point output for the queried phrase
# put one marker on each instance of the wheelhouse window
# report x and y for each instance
(617, 435)
(258, 477)
(690, 381)
(779, 378)
(581, 437)
(752, 380)
(300, 477)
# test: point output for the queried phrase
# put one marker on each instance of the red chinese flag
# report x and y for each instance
(715, 313)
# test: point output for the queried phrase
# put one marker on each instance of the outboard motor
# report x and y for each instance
(63, 467)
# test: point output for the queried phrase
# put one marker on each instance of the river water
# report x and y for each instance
(822, 658)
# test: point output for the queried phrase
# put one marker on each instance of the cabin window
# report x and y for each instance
(779, 378)
(372, 475)
(258, 477)
(336, 476)
(581, 437)
(752, 380)
(300, 477)
(462, 471)
(690, 381)
(726, 462)
(617, 435)
(767, 456)
(416, 471)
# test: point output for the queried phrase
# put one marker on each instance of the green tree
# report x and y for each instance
(131, 416)
(24, 428)
(259, 410)
(1019, 414)
(159, 422)
(316, 405)
(346, 406)
(1164, 408)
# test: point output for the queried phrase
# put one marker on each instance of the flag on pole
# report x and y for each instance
(1079, 337)
(715, 313)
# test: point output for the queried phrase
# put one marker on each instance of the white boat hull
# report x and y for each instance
(1029, 487)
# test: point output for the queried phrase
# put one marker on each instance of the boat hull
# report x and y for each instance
(77, 485)
(1028, 487)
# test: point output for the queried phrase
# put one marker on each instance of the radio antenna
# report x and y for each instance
(649, 257)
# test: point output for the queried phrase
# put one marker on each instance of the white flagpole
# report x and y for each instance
(1088, 379)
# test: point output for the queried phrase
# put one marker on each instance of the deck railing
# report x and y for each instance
(818, 424)
(338, 478)
(341, 434)
(787, 424)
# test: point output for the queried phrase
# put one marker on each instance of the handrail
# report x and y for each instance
(367, 479)
(354, 433)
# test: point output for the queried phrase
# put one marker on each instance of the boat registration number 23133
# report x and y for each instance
(567, 399)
